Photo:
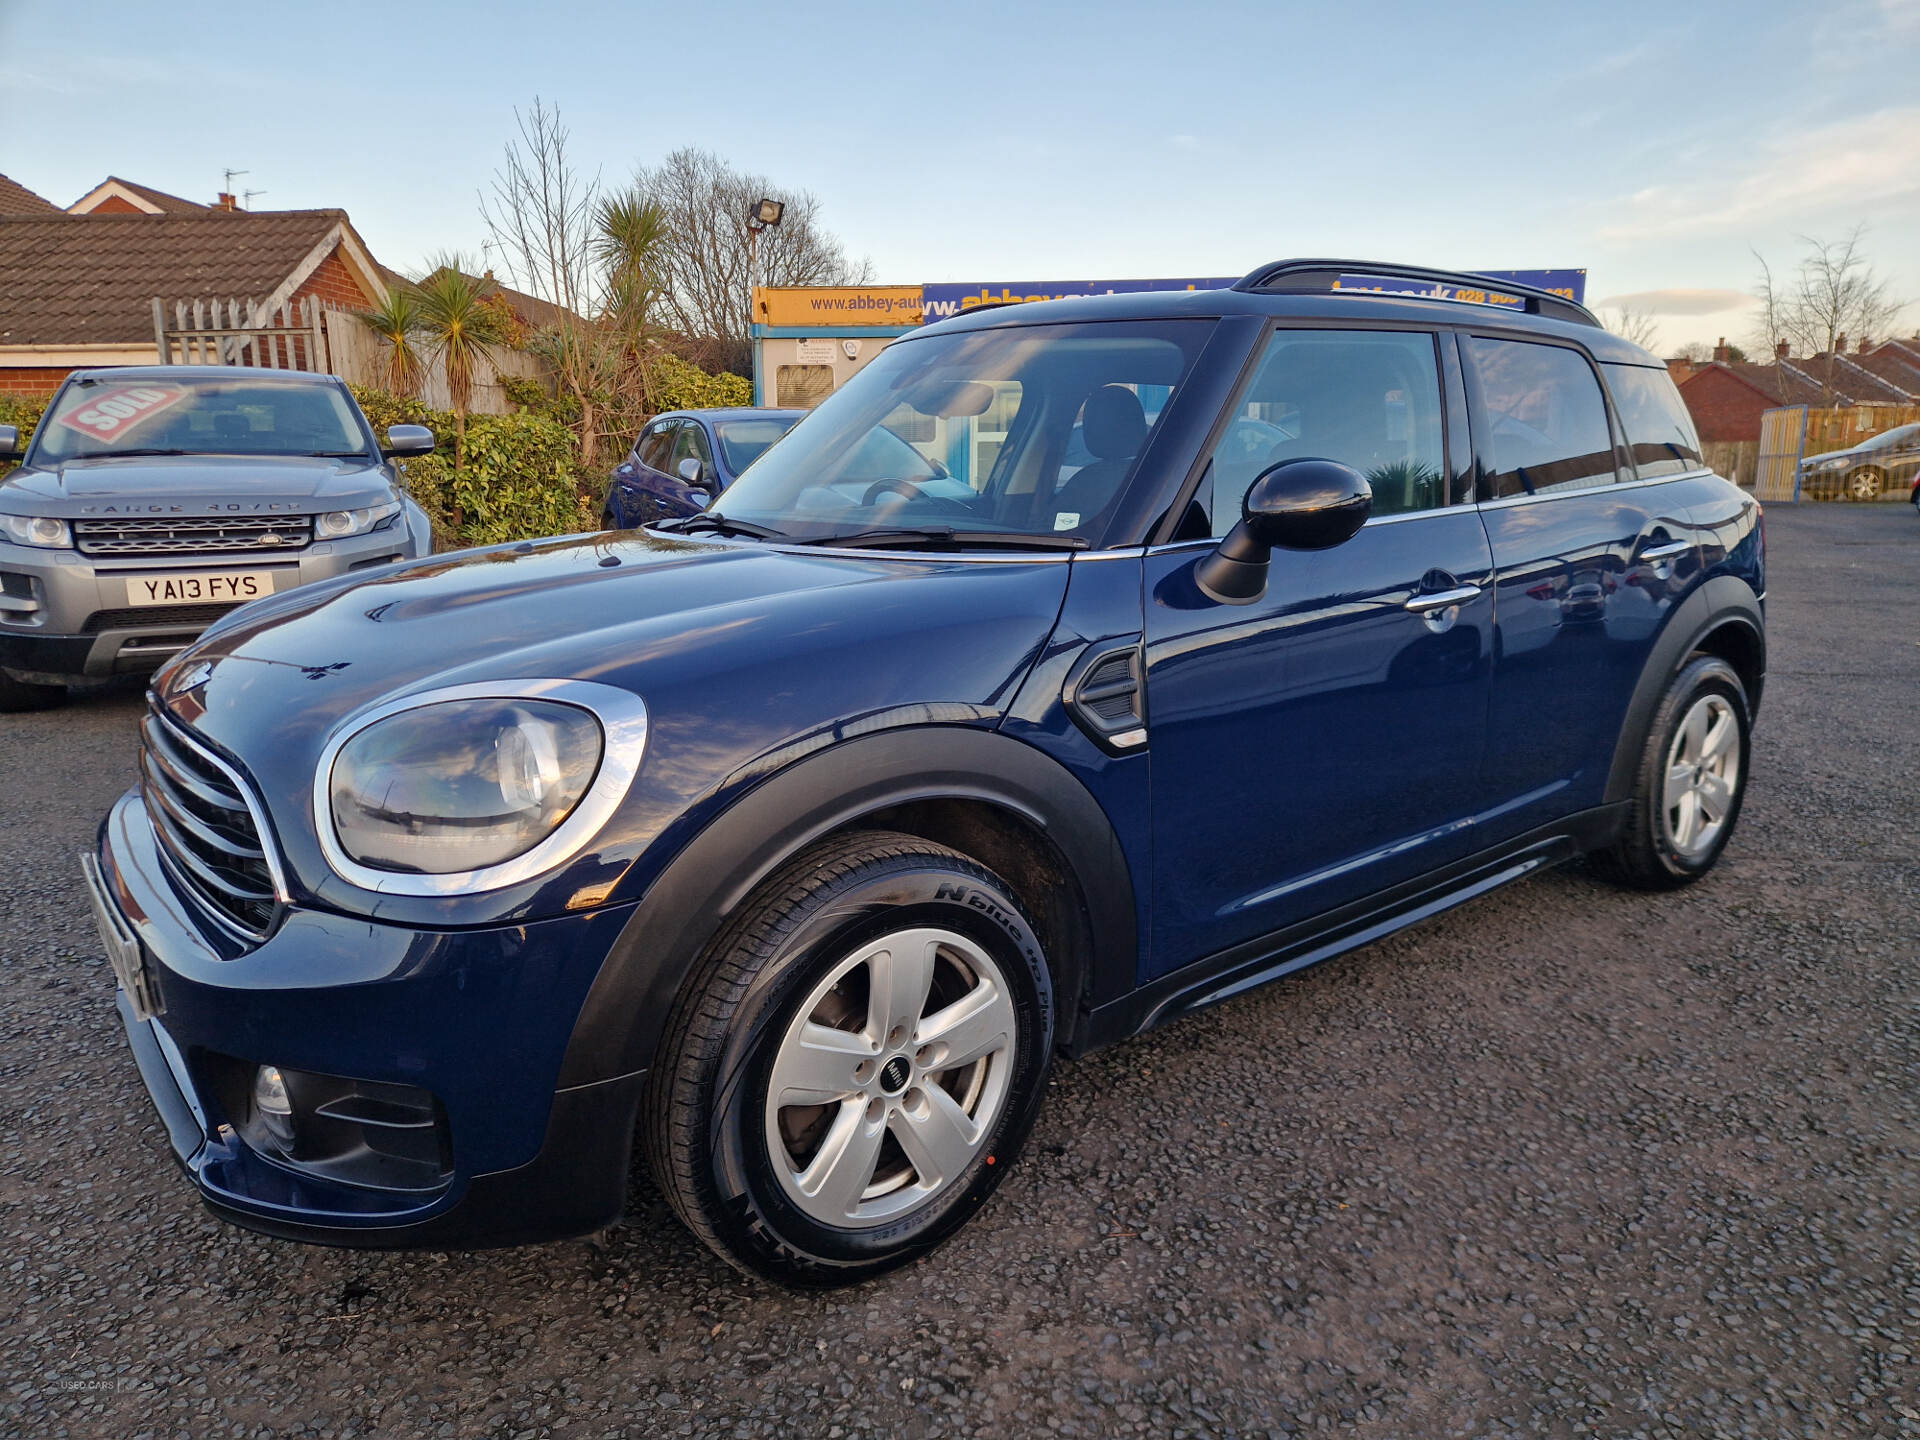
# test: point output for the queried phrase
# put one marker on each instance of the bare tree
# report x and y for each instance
(1635, 325)
(542, 220)
(704, 255)
(1695, 352)
(1834, 292)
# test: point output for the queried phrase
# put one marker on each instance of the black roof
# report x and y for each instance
(1343, 306)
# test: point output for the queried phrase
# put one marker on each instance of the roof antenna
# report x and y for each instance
(228, 187)
(246, 197)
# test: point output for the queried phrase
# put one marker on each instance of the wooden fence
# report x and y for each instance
(314, 336)
(1794, 434)
(241, 332)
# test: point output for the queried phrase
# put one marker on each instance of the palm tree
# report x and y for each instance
(398, 321)
(462, 330)
(629, 231)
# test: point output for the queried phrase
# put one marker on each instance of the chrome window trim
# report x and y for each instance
(1606, 486)
(622, 717)
(255, 809)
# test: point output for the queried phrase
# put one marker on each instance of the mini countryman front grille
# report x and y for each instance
(209, 838)
(192, 534)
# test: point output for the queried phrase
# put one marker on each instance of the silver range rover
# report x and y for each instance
(153, 501)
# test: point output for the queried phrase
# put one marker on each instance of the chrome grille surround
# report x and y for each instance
(192, 534)
(212, 832)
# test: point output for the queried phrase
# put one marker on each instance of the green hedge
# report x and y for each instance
(521, 477)
(24, 412)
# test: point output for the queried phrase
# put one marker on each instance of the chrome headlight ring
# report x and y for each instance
(622, 717)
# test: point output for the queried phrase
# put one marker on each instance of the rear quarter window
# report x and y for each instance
(1659, 430)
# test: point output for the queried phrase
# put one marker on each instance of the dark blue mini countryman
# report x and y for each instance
(1074, 667)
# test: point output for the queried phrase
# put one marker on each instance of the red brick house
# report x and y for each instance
(1727, 397)
(77, 289)
(114, 196)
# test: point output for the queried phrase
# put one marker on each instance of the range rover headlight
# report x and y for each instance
(339, 524)
(461, 785)
(44, 531)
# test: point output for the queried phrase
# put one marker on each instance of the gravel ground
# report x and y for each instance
(1566, 1161)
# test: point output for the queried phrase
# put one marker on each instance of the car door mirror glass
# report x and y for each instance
(1306, 504)
(689, 470)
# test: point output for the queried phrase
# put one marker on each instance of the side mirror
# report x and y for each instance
(407, 440)
(1296, 505)
(700, 498)
(690, 470)
(10, 448)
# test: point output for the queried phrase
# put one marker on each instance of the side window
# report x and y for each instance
(1544, 424)
(1367, 398)
(690, 443)
(1660, 432)
(656, 443)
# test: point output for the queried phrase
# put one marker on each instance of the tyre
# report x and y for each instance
(1865, 483)
(1690, 782)
(855, 1063)
(19, 695)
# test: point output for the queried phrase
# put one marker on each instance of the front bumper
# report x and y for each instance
(64, 614)
(480, 1019)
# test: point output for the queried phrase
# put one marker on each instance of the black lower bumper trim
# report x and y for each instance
(576, 1184)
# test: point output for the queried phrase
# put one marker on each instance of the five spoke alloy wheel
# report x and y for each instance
(889, 1079)
(857, 1062)
(1703, 775)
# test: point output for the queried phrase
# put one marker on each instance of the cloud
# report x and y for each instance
(1679, 302)
(1841, 169)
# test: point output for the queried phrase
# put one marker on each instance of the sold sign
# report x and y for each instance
(112, 412)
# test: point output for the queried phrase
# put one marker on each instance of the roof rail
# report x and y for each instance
(1312, 277)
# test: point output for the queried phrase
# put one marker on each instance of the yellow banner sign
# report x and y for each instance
(836, 305)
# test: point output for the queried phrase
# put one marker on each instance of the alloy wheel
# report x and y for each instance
(1703, 776)
(890, 1077)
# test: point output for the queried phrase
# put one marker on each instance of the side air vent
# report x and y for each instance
(1107, 698)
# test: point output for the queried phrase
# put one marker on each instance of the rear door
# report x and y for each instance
(1323, 742)
(1590, 558)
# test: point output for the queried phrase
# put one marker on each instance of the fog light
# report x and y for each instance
(270, 1091)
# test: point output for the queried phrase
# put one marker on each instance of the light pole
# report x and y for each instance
(762, 215)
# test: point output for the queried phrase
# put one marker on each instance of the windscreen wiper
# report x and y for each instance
(723, 524)
(116, 454)
(947, 535)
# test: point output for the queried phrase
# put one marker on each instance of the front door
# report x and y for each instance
(1324, 742)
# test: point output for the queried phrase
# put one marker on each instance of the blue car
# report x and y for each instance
(684, 458)
(791, 844)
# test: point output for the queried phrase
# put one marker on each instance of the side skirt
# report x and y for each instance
(1284, 952)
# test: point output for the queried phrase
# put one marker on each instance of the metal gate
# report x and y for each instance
(1783, 442)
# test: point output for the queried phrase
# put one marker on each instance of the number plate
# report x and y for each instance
(124, 951)
(199, 588)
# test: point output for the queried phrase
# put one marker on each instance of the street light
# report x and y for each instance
(763, 214)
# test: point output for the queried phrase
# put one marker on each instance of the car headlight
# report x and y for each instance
(476, 786)
(1839, 464)
(339, 524)
(42, 530)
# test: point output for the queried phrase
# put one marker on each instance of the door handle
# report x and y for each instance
(1427, 603)
(1669, 550)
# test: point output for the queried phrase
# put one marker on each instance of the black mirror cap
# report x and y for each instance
(408, 440)
(10, 447)
(1305, 504)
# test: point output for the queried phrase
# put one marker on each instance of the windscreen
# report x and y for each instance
(745, 441)
(243, 416)
(1031, 429)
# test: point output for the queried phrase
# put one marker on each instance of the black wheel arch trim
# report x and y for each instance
(626, 1010)
(1720, 601)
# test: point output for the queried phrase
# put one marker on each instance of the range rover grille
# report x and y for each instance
(209, 840)
(192, 534)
